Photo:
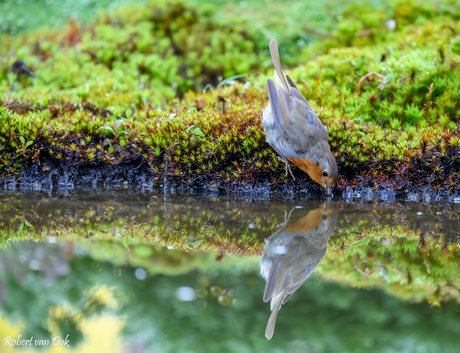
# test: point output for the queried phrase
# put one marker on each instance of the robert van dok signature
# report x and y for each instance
(56, 341)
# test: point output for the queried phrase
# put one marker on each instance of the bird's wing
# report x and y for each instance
(295, 121)
(277, 281)
(313, 261)
(291, 83)
(290, 291)
(273, 97)
(283, 279)
(269, 287)
(302, 126)
(311, 116)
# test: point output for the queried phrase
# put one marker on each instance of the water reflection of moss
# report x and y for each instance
(158, 259)
(400, 268)
(403, 267)
(339, 319)
(414, 248)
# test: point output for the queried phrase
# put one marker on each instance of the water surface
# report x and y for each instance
(132, 271)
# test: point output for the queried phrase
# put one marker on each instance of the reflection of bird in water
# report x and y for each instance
(291, 255)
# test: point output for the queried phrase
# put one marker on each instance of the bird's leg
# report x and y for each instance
(288, 166)
(286, 218)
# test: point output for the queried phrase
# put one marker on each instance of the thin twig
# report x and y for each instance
(367, 76)
(361, 270)
(322, 34)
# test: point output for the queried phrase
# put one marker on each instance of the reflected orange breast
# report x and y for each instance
(313, 220)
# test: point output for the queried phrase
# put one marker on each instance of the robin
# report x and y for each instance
(294, 130)
(291, 255)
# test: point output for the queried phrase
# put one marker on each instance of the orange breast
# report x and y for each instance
(314, 171)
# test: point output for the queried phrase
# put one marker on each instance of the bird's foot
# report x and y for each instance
(288, 166)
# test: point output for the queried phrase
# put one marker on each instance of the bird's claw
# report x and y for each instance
(288, 166)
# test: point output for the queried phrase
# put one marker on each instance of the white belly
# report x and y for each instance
(279, 144)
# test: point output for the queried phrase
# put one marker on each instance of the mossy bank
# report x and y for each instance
(132, 99)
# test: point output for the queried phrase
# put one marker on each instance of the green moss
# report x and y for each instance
(418, 86)
(141, 56)
(133, 57)
(194, 148)
(107, 102)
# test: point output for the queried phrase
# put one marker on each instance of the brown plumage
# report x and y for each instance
(294, 130)
(291, 255)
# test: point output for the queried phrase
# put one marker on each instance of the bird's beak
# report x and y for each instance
(328, 190)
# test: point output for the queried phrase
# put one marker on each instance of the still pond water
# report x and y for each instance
(144, 271)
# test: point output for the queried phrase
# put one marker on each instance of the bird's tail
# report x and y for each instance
(276, 61)
(272, 320)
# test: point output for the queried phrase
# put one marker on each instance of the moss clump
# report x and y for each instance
(133, 57)
(419, 83)
(147, 55)
(357, 26)
(107, 126)
(222, 151)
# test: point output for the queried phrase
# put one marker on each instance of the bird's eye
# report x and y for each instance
(325, 173)
(324, 218)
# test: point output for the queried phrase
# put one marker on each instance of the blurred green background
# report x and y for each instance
(137, 54)
(293, 23)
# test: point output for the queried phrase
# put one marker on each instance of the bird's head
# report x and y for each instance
(324, 170)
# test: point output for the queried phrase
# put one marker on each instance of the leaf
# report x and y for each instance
(208, 87)
(22, 139)
(126, 242)
(106, 128)
(196, 243)
(118, 122)
(388, 79)
(29, 143)
(195, 131)
(192, 109)
(27, 223)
